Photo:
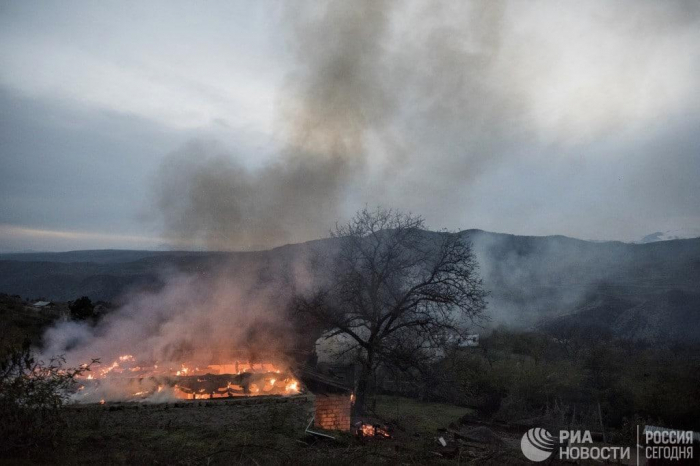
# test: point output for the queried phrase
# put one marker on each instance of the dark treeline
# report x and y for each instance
(573, 378)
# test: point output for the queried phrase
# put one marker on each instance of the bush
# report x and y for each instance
(82, 309)
(31, 395)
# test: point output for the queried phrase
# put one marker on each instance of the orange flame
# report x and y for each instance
(240, 378)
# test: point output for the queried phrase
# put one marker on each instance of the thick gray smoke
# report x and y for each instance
(374, 89)
(441, 108)
(208, 199)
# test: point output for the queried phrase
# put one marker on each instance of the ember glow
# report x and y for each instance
(372, 430)
(127, 379)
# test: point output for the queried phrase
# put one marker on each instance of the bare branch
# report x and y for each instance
(396, 289)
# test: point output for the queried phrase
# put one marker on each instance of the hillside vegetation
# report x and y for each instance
(644, 291)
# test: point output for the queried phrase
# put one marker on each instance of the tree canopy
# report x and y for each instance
(82, 308)
(397, 292)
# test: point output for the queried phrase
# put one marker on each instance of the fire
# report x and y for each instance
(292, 387)
(115, 365)
(126, 379)
(370, 430)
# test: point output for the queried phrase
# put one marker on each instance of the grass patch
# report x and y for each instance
(258, 434)
(418, 416)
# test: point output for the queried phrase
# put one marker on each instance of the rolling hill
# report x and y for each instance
(647, 291)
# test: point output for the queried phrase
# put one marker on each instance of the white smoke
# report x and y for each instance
(224, 313)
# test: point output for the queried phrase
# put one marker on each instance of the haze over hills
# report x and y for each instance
(667, 235)
(645, 291)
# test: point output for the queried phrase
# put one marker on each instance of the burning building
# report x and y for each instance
(221, 336)
(127, 379)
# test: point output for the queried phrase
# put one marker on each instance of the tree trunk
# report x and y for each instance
(363, 388)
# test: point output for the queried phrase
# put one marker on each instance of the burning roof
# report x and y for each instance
(127, 379)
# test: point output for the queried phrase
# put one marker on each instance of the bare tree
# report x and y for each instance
(396, 292)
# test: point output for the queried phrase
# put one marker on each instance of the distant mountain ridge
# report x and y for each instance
(98, 256)
(668, 235)
(667, 316)
(532, 279)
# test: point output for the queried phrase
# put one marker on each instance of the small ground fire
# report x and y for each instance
(367, 429)
(126, 379)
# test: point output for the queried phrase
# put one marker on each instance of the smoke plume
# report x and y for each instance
(431, 107)
(377, 91)
(207, 198)
(230, 312)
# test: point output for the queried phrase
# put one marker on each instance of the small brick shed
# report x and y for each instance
(333, 411)
(333, 401)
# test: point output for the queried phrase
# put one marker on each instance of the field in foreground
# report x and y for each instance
(216, 432)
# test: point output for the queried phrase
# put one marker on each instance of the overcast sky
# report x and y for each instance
(233, 125)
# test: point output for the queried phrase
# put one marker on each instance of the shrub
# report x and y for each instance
(82, 309)
(31, 395)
